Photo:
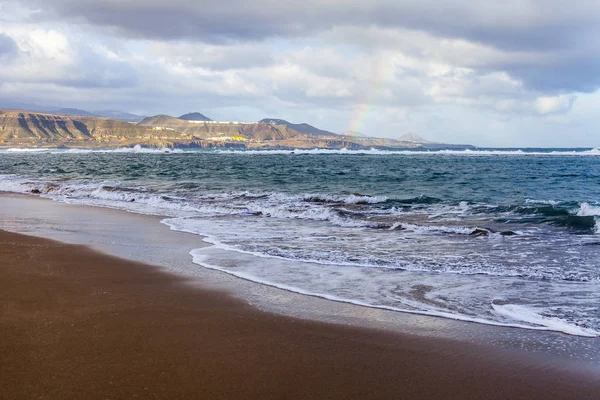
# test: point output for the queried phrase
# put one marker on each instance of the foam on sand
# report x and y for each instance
(517, 316)
(529, 315)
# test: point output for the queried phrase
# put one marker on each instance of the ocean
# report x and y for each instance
(500, 237)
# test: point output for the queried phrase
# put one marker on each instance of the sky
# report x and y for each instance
(514, 73)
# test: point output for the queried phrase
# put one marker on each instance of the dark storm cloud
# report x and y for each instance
(566, 75)
(548, 26)
(510, 24)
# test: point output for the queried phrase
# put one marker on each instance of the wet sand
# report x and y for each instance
(77, 324)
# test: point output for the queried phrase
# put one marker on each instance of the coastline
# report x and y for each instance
(142, 238)
(80, 324)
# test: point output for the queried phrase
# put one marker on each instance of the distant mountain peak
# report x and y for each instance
(120, 115)
(74, 112)
(195, 116)
(413, 137)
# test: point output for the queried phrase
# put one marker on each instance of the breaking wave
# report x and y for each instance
(466, 152)
(344, 151)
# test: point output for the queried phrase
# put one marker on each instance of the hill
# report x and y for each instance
(195, 116)
(302, 128)
(413, 137)
(354, 134)
(215, 130)
(28, 129)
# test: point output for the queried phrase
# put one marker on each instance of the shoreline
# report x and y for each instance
(141, 238)
(81, 324)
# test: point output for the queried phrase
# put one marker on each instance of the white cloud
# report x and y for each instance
(55, 57)
(555, 104)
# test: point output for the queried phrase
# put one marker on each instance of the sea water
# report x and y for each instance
(502, 237)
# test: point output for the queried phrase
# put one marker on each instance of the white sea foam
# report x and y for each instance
(546, 202)
(134, 149)
(588, 210)
(138, 199)
(460, 230)
(309, 229)
(32, 150)
(529, 315)
(374, 151)
(517, 317)
(349, 199)
(344, 151)
(104, 194)
(140, 149)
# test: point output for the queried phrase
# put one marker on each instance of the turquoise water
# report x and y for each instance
(498, 237)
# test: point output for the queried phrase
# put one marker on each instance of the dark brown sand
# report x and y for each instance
(75, 324)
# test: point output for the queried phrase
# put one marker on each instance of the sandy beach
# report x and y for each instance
(80, 324)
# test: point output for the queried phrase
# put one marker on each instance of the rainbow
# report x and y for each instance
(381, 71)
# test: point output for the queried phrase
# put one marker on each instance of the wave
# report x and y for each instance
(458, 230)
(105, 194)
(140, 199)
(263, 241)
(345, 199)
(419, 200)
(134, 149)
(466, 152)
(344, 151)
(32, 150)
(589, 212)
(361, 211)
(283, 208)
(529, 315)
(573, 215)
(528, 319)
(140, 149)
(587, 209)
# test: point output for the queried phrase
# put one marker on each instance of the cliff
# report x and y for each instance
(25, 128)
(33, 129)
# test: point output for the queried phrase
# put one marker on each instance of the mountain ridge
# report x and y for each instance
(302, 127)
(114, 114)
(24, 129)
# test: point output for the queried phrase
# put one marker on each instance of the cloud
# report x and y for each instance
(556, 104)
(551, 71)
(7, 46)
(550, 45)
(559, 73)
(403, 61)
(50, 56)
(216, 57)
(511, 24)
